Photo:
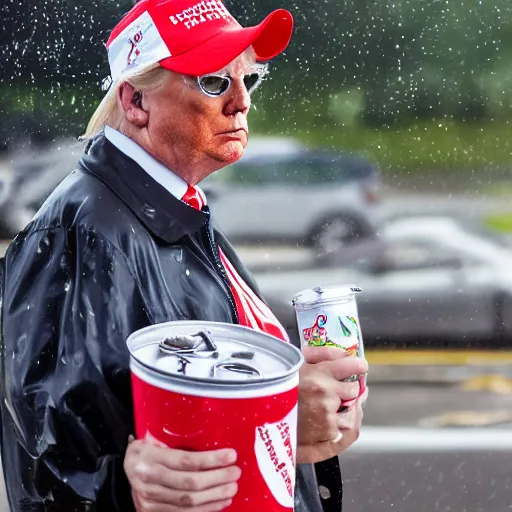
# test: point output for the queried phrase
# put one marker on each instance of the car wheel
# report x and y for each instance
(332, 234)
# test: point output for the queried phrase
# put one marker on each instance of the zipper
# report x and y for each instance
(219, 267)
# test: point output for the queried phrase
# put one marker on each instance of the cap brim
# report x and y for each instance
(269, 39)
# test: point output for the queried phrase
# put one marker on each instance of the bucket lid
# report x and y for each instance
(213, 352)
(319, 295)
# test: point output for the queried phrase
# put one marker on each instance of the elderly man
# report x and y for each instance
(127, 241)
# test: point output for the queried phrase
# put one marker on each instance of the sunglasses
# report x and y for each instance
(216, 85)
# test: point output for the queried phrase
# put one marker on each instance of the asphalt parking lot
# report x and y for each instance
(438, 481)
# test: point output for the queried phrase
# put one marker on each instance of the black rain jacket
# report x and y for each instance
(110, 252)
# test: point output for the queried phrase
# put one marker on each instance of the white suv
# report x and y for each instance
(282, 192)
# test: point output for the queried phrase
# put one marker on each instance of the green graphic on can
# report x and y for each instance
(317, 335)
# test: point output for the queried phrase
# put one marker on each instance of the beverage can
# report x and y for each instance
(329, 317)
(206, 385)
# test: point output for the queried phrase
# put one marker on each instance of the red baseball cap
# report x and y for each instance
(190, 37)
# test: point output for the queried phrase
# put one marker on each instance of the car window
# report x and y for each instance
(417, 255)
(311, 171)
(258, 173)
(321, 170)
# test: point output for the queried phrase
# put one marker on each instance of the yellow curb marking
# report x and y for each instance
(466, 419)
(493, 383)
(403, 357)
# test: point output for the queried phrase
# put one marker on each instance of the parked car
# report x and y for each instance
(424, 279)
(30, 178)
(283, 192)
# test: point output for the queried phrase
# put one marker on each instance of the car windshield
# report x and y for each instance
(302, 169)
(440, 226)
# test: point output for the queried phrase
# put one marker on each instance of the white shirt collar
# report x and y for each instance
(170, 181)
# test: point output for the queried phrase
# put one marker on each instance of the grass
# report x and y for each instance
(436, 146)
(27, 98)
(408, 148)
(500, 223)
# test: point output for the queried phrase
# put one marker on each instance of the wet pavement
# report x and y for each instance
(427, 482)
(438, 405)
(433, 448)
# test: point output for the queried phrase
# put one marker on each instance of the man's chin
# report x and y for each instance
(232, 151)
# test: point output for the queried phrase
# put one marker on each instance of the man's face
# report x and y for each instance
(196, 132)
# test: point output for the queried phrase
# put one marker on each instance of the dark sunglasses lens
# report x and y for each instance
(214, 84)
(251, 81)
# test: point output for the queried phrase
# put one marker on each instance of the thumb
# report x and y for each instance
(152, 439)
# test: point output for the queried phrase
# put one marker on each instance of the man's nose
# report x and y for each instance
(239, 99)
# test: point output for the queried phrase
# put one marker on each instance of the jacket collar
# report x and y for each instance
(170, 181)
(163, 214)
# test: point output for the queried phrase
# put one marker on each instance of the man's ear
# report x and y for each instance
(132, 102)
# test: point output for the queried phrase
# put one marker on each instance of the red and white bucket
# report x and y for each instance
(240, 393)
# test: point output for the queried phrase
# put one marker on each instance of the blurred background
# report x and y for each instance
(381, 156)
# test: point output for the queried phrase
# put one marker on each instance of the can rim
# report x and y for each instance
(325, 295)
(133, 346)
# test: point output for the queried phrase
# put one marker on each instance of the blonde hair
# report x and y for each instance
(108, 111)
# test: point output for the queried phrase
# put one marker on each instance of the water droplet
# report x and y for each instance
(77, 359)
(149, 211)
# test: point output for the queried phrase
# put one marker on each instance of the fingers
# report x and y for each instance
(315, 355)
(345, 391)
(353, 411)
(154, 440)
(363, 399)
(324, 433)
(211, 507)
(169, 480)
(182, 460)
(156, 494)
(340, 368)
(143, 505)
(320, 396)
(347, 420)
(329, 430)
(200, 461)
(343, 368)
(188, 480)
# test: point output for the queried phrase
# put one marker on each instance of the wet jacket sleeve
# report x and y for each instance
(69, 303)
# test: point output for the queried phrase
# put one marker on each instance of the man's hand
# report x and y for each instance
(168, 480)
(320, 395)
